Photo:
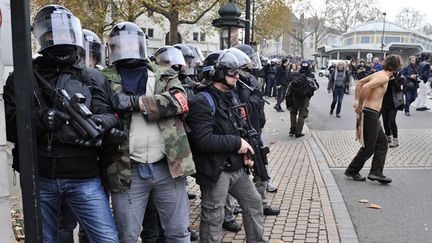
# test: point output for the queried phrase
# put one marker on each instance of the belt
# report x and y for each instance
(164, 159)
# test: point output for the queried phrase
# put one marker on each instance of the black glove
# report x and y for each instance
(123, 102)
(114, 137)
(53, 119)
(106, 121)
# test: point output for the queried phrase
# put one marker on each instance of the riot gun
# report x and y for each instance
(252, 89)
(248, 133)
(75, 107)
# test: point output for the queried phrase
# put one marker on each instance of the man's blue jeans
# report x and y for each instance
(169, 195)
(87, 201)
(410, 96)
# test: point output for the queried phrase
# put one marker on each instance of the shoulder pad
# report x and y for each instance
(111, 73)
(161, 71)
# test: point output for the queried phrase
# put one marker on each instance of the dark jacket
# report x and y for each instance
(59, 158)
(362, 71)
(253, 99)
(424, 71)
(411, 84)
(214, 138)
(282, 75)
(270, 70)
(393, 97)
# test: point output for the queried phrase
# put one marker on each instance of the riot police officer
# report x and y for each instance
(93, 50)
(220, 153)
(156, 159)
(68, 160)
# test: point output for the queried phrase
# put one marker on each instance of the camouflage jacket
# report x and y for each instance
(162, 107)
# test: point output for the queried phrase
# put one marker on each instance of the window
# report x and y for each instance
(311, 45)
(365, 40)
(195, 36)
(349, 41)
(388, 39)
(202, 36)
(150, 13)
(150, 33)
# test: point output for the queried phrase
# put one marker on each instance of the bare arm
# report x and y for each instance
(359, 86)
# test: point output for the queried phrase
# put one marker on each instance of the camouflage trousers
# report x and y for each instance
(298, 113)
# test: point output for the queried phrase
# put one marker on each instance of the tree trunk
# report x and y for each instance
(302, 49)
(174, 23)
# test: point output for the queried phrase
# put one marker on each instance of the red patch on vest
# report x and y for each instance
(182, 100)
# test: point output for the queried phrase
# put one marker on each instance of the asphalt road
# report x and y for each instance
(406, 214)
(320, 119)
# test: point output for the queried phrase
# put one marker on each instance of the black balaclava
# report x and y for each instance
(133, 73)
(62, 54)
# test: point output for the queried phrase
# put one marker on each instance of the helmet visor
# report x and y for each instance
(256, 61)
(58, 29)
(198, 56)
(93, 54)
(228, 60)
(169, 56)
(127, 45)
(242, 58)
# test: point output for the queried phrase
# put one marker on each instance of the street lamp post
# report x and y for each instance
(382, 37)
(230, 18)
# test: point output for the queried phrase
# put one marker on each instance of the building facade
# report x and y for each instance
(201, 35)
(379, 40)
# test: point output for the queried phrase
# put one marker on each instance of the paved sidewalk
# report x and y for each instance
(306, 210)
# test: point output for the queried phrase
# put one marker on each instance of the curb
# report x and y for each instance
(343, 219)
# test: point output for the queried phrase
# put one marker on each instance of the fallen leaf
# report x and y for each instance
(374, 206)
(314, 199)
(275, 130)
(364, 200)
(273, 142)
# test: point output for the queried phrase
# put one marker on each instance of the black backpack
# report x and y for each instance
(301, 86)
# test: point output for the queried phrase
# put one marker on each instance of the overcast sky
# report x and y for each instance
(392, 7)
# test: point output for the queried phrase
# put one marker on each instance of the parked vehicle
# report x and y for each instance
(324, 72)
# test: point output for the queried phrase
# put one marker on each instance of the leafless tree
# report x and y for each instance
(347, 13)
(410, 18)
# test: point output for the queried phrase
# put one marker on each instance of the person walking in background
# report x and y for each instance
(392, 102)
(338, 81)
(424, 75)
(282, 82)
(410, 72)
(300, 92)
(369, 95)
(270, 76)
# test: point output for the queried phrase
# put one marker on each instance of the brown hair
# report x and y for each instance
(392, 62)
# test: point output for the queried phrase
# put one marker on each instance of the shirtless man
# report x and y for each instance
(369, 95)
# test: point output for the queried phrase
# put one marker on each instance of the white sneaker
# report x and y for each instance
(271, 187)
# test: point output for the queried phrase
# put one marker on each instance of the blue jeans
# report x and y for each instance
(169, 195)
(410, 96)
(338, 94)
(87, 201)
